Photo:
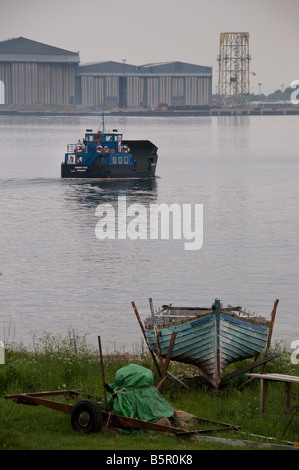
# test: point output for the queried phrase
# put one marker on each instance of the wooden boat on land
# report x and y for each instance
(209, 338)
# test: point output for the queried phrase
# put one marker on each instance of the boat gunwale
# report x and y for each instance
(258, 323)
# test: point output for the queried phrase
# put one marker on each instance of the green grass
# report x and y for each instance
(56, 363)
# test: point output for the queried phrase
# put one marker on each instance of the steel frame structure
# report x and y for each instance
(234, 60)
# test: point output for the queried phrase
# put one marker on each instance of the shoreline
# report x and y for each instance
(73, 110)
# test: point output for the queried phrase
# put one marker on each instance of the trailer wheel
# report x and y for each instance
(86, 417)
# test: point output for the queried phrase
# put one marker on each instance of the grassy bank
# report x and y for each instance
(56, 363)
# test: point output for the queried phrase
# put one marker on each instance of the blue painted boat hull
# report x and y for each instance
(211, 342)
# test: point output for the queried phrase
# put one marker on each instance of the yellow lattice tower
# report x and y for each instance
(234, 62)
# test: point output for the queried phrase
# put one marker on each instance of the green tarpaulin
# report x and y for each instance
(135, 396)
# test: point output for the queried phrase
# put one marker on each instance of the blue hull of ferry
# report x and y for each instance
(97, 171)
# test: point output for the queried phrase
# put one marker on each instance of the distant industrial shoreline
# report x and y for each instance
(79, 110)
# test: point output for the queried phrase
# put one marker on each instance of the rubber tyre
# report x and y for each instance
(86, 417)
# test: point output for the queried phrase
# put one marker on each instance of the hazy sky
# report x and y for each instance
(144, 31)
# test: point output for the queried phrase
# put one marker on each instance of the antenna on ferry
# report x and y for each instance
(102, 124)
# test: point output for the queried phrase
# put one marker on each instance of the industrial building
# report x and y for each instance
(175, 84)
(32, 72)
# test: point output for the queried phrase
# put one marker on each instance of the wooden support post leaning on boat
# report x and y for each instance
(166, 363)
(273, 314)
(152, 353)
(144, 335)
(267, 358)
(156, 332)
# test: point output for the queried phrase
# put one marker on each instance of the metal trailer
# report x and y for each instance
(92, 416)
(87, 416)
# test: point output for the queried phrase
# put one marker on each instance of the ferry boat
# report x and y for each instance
(105, 155)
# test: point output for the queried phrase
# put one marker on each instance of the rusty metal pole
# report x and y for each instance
(103, 373)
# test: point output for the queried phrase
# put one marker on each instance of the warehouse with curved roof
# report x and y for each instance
(111, 84)
(32, 72)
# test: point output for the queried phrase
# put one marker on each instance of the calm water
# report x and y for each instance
(56, 275)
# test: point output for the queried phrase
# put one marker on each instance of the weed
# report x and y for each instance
(56, 363)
